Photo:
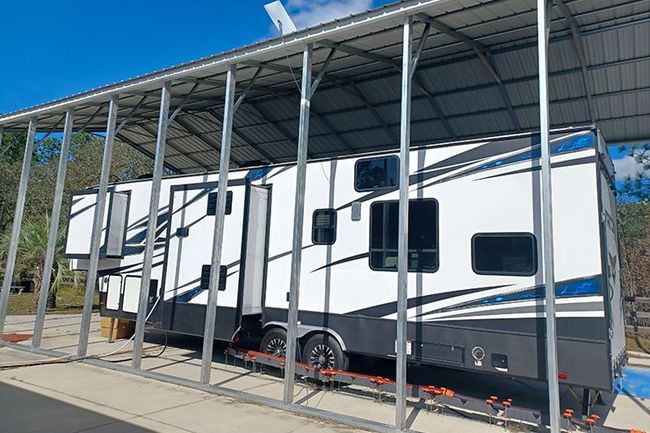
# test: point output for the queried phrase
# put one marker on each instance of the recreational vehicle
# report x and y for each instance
(475, 286)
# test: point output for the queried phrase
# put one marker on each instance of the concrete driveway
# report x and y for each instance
(90, 398)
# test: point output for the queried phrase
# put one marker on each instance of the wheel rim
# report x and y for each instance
(277, 347)
(322, 356)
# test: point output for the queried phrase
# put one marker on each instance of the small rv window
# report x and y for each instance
(323, 230)
(205, 277)
(376, 173)
(422, 241)
(504, 254)
(212, 203)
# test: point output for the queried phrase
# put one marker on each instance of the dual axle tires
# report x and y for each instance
(321, 350)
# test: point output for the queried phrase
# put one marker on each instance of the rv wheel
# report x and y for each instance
(324, 352)
(275, 343)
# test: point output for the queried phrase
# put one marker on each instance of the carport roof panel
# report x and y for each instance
(356, 107)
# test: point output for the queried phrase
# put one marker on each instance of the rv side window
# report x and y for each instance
(504, 254)
(376, 173)
(423, 235)
(323, 230)
(212, 203)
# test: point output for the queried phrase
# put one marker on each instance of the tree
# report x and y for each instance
(30, 260)
(637, 187)
(84, 167)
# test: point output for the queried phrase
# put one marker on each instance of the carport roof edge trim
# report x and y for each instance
(247, 52)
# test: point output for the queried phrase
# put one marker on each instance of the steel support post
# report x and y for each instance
(54, 228)
(18, 220)
(298, 218)
(98, 222)
(547, 216)
(402, 244)
(217, 247)
(152, 222)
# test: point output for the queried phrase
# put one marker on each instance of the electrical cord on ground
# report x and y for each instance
(114, 352)
(70, 358)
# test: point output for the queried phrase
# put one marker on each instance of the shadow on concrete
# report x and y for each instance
(524, 393)
(28, 412)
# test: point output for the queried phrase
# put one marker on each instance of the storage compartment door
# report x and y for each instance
(112, 285)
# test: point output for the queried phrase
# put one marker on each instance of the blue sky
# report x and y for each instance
(54, 49)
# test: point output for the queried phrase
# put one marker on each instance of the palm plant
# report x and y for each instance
(30, 260)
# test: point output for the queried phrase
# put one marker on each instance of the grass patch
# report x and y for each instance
(68, 300)
(640, 343)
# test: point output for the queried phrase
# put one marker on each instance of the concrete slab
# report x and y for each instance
(125, 393)
(161, 403)
(639, 359)
(629, 413)
(35, 403)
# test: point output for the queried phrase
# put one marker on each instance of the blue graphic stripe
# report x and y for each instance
(189, 295)
(569, 145)
(257, 173)
(590, 286)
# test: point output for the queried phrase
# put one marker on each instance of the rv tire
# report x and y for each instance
(274, 342)
(323, 351)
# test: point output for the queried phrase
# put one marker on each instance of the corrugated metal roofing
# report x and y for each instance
(356, 107)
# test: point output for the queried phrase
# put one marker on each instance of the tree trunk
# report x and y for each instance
(38, 282)
(51, 298)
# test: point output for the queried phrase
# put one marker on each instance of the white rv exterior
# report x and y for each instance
(476, 292)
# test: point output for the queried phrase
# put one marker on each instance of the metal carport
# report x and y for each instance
(475, 73)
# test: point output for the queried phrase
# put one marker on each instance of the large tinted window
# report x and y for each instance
(323, 230)
(504, 254)
(376, 173)
(423, 235)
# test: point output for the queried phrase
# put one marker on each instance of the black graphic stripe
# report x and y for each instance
(413, 180)
(142, 222)
(127, 268)
(579, 161)
(121, 270)
(486, 151)
(281, 170)
(82, 210)
(391, 307)
(344, 260)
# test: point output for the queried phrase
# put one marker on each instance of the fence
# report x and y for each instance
(637, 321)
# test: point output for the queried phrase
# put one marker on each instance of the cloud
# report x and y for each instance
(308, 13)
(626, 167)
